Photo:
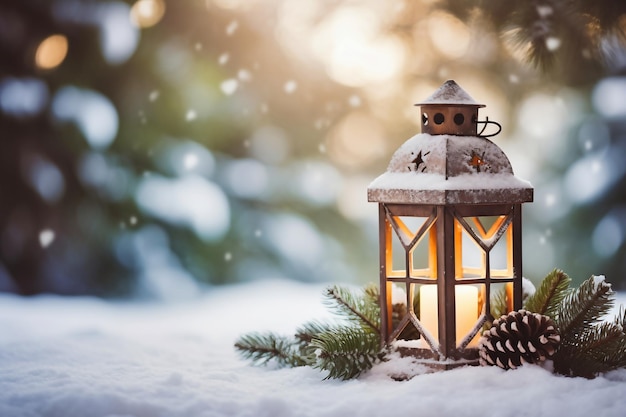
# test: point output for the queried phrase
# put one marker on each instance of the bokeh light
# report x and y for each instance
(227, 140)
(448, 34)
(51, 52)
(357, 141)
(146, 13)
(354, 50)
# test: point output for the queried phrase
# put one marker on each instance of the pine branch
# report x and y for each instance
(371, 294)
(600, 349)
(588, 348)
(548, 297)
(346, 351)
(584, 307)
(356, 309)
(305, 333)
(263, 348)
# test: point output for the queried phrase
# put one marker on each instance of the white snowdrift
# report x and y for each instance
(83, 357)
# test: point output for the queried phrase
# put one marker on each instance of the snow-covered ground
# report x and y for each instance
(84, 357)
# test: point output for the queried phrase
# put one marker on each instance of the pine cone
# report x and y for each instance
(517, 338)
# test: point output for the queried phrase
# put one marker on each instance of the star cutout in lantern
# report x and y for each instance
(477, 160)
(419, 161)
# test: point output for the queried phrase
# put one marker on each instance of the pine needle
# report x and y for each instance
(346, 351)
(263, 348)
(354, 308)
(583, 307)
(589, 347)
(548, 297)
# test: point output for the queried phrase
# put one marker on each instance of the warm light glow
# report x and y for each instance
(51, 52)
(146, 13)
(466, 310)
(448, 34)
(354, 49)
(234, 4)
(357, 140)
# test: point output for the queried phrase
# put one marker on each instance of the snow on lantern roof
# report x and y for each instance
(449, 169)
(450, 93)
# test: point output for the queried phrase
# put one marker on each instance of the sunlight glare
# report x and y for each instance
(357, 140)
(448, 34)
(354, 51)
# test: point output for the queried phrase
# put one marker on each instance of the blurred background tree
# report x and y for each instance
(150, 147)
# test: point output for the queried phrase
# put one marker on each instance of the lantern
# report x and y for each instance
(450, 222)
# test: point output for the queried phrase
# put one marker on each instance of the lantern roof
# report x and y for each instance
(449, 169)
(450, 93)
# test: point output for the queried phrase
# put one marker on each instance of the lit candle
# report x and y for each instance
(466, 310)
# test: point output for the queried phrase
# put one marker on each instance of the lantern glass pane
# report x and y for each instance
(412, 247)
(483, 243)
(397, 266)
(426, 309)
(501, 299)
(468, 307)
(472, 259)
(501, 256)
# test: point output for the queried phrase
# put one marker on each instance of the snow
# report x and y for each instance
(84, 356)
(450, 93)
(479, 181)
(599, 281)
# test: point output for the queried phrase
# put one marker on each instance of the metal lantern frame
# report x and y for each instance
(445, 269)
(447, 213)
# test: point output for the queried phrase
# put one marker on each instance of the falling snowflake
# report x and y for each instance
(142, 117)
(154, 94)
(553, 43)
(544, 11)
(229, 86)
(232, 28)
(244, 75)
(354, 101)
(290, 86)
(322, 148)
(191, 115)
(198, 46)
(513, 79)
(223, 59)
(264, 108)
(133, 220)
(228, 256)
(258, 233)
(46, 237)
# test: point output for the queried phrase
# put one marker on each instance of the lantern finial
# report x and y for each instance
(452, 111)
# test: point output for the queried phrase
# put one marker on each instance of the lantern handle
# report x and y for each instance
(486, 122)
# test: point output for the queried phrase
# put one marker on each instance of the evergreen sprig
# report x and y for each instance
(589, 346)
(343, 350)
(547, 298)
(346, 351)
(357, 308)
(263, 348)
(584, 307)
